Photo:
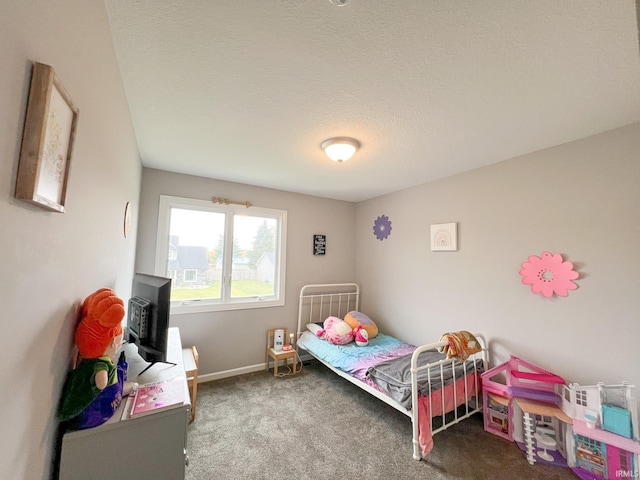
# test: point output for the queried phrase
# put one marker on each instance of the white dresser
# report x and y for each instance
(149, 447)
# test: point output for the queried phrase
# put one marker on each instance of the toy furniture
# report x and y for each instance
(281, 355)
(515, 378)
(190, 359)
(604, 441)
(497, 414)
(548, 435)
(546, 441)
(593, 430)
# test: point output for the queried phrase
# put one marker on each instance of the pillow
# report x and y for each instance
(354, 319)
(313, 328)
(336, 331)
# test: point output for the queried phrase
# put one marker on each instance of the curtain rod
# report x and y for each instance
(226, 201)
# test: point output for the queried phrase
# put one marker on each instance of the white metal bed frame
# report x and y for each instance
(318, 301)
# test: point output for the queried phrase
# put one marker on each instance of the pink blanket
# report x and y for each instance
(451, 401)
(356, 361)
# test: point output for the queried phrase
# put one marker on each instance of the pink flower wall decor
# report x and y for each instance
(549, 274)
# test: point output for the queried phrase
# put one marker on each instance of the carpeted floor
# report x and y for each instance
(316, 425)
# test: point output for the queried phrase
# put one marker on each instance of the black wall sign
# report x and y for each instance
(319, 244)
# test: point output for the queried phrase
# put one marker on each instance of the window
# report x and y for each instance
(581, 397)
(623, 458)
(589, 444)
(220, 257)
(190, 276)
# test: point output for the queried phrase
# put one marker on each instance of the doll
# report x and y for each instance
(94, 389)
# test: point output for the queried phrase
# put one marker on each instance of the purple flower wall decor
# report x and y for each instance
(382, 227)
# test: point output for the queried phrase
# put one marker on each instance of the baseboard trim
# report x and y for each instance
(209, 377)
(230, 373)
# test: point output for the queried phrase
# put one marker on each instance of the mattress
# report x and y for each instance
(385, 363)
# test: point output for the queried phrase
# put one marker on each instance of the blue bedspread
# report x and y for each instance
(353, 359)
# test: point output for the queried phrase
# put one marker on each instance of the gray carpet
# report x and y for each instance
(316, 425)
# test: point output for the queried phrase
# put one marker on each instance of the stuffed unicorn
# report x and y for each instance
(336, 331)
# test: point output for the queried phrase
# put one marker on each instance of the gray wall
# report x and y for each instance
(233, 342)
(52, 261)
(580, 199)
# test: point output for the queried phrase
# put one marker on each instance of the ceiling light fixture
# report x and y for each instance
(340, 149)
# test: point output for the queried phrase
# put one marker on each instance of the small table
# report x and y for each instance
(279, 355)
(282, 355)
(546, 441)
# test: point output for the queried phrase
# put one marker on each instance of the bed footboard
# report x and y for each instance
(463, 390)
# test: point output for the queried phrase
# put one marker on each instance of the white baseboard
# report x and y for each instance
(209, 377)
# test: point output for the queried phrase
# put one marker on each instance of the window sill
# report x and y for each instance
(199, 306)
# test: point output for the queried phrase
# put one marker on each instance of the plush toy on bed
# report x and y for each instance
(93, 390)
(361, 336)
(336, 331)
(354, 319)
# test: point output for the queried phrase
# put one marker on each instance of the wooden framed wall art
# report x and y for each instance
(47, 141)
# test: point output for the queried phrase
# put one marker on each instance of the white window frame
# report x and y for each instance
(168, 202)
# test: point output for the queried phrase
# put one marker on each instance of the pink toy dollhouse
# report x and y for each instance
(593, 430)
(522, 404)
(515, 378)
(604, 443)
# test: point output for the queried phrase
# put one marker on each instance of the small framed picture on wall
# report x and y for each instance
(444, 237)
(319, 244)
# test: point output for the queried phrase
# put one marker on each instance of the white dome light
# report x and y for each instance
(340, 149)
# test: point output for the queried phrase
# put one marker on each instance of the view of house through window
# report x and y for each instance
(192, 236)
(220, 256)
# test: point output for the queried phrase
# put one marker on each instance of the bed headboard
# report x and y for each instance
(317, 302)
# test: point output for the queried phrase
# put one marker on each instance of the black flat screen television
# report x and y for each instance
(148, 319)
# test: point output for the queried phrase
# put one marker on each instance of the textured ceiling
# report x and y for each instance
(246, 91)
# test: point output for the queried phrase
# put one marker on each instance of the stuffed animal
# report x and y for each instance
(355, 318)
(336, 331)
(361, 336)
(93, 390)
